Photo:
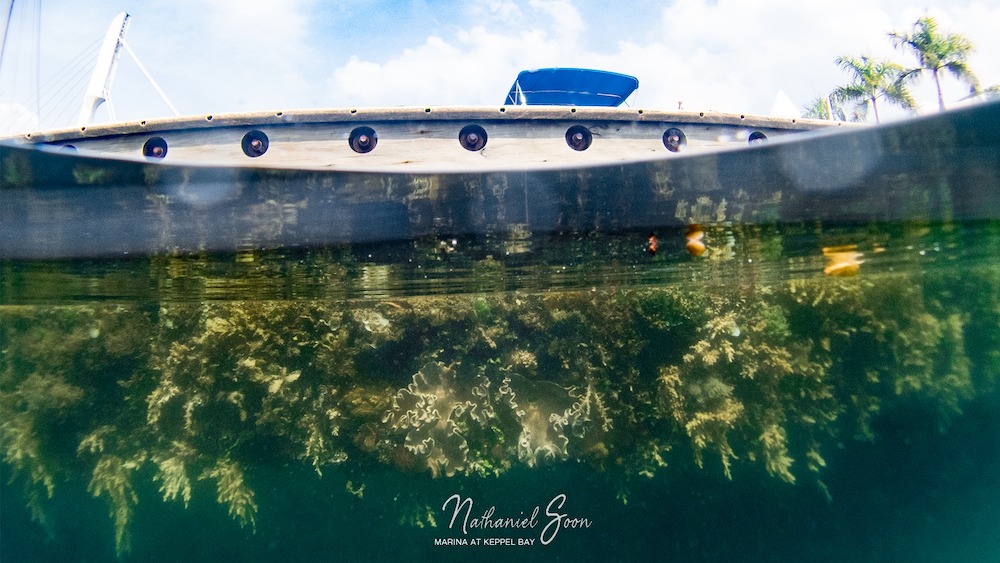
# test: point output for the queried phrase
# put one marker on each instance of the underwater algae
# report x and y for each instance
(627, 381)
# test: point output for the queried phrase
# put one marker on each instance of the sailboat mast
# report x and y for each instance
(104, 72)
(6, 30)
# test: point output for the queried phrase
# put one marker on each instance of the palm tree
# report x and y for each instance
(821, 107)
(936, 52)
(873, 80)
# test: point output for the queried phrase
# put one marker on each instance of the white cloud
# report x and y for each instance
(736, 56)
(567, 22)
(503, 10)
(475, 66)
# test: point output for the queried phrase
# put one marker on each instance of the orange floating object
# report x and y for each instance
(651, 244)
(695, 240)
(842, 261)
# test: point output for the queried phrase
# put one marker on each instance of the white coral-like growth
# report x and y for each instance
(434, 410)
(545, 411)
(439, 408)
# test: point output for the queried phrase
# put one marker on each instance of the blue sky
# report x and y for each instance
(245, 55)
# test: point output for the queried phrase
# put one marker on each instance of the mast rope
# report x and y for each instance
(65, 85)
(149, 77)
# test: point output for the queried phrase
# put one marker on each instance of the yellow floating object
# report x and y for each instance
(842, 261)
(695, 240)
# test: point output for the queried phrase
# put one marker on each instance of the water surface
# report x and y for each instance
(798, 391)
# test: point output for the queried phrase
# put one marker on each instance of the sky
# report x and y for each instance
(737, 56)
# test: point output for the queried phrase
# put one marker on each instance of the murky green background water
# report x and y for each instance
(324, 404)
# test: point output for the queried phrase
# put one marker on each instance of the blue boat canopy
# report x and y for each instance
(571, 87)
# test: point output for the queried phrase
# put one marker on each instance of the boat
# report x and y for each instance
(561, 154)
(555, 123)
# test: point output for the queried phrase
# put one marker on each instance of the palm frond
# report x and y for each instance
(961, 71)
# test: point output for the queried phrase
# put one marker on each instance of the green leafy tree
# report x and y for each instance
(937, 52)
(873, 79)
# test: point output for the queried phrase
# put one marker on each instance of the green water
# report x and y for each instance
(325, 404)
